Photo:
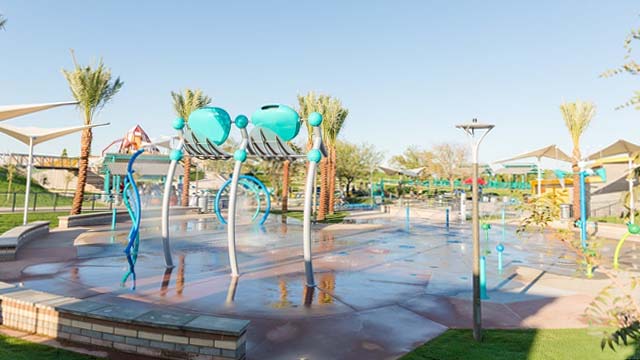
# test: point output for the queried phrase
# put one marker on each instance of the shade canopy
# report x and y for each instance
(617, 148)
(408, 172)
(551, 152)
(10, 111)
(163, 141)
(519, 170)
(40, 135)
(616, 186)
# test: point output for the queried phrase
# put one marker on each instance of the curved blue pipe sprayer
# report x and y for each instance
(132, 202)
(250, 182)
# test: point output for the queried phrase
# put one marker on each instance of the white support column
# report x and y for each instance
(26, 193)
(231, 222)
(539, 176)
(306, 231)
(309, 195)
(166, 198)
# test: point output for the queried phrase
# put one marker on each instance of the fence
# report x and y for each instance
(46, 201)
(489, 207)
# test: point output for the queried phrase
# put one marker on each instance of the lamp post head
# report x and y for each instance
(470, 129)
(475, 125)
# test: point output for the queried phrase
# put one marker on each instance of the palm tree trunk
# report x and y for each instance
(186, 181)
(285, 188)
(83, 167)
(332, 180)
(324, 196)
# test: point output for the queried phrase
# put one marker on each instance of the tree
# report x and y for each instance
(629, 67)
(3, 22)
(284, 200)
(336, 116)
(577, 116)
(11, 171)
(93, 87)
(184, 104)
(333, 118)
(64, 153)
(448, 160)
(355, 161)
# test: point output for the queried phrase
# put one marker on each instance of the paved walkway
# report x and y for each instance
(383, 289)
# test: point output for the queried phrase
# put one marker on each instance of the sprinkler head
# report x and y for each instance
(175, 155)
(633, 229)
(178, 123)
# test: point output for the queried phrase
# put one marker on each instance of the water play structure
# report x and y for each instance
(202, 136)
(253, 185)
(632, 229)
(584, 173)
(131, 197)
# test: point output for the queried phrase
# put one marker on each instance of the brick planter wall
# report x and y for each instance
(156, 333)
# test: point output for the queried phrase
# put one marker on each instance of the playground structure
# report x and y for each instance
(131, 197)
(253, 185)
(443, 184)
(632, 229)
(584, 173)
(208, 128)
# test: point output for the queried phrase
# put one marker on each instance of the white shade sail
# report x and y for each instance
(40, 135)
(520, 170)
(409, 172)
(550, 152)
(10, 111)
(163, 141)
(617, 148)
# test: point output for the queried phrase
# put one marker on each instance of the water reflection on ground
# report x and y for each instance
(354, 268)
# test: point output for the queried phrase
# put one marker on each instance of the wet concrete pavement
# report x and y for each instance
(381, 291)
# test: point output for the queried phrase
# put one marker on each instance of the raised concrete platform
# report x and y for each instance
(105, 217)
(13, 239)
(140, 330)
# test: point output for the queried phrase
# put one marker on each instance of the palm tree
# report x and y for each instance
(577, 116)
(3, 22)
(184, 104)
(93, 87)
(335, 118)
(333, 115)
(285, 189)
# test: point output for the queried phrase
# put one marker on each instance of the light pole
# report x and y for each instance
(476, 133)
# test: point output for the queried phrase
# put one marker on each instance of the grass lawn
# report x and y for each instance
(520, 344)
(10, 220)
(609, 219)
(336, 218)
(16, 349)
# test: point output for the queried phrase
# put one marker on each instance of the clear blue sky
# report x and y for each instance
(407, 70)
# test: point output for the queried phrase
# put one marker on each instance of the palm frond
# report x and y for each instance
(92, 86)
(188, 101)
(3, 22)
(334, 114)
(577, 117)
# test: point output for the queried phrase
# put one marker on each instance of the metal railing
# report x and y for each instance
(41, 161)
(614, 208)
(46, 201)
